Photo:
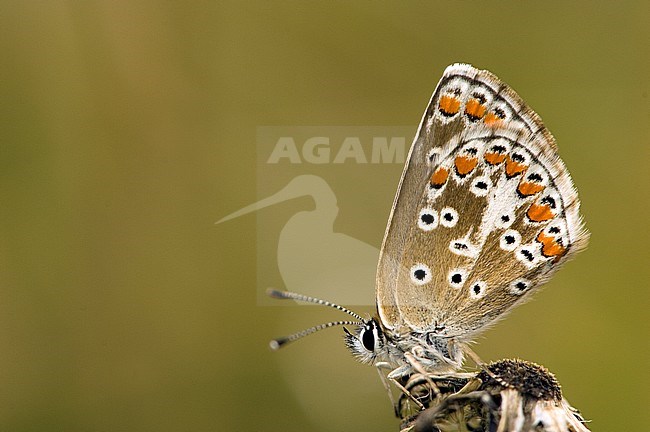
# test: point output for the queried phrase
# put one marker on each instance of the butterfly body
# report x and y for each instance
(484, 214)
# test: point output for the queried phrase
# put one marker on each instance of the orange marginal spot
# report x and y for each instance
(550, 247)
(539, 213)
(449, 105)
(474, 109)
(492, 119)
(439, 177)
(513, 168)
(528, 189)
(465, 165)
(494, 158)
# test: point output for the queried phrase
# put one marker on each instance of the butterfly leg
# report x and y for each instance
(384, 381)
(420, 369)
(393, 377)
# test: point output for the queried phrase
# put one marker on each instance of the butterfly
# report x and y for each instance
(485, 213)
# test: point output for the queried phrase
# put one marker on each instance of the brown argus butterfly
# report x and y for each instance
(485, 213)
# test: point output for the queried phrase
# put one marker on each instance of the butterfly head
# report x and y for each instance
(367, 341)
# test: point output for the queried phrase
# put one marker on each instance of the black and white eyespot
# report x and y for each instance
(456, 89)
(499, 146)
(428, 219)
(502, 110)
(510, 240)
(519, 286)
(551, 198)
(433, 155)
(477, 92)
(481, 185)
(557, 230)
(420, 274)
(545, 208)
(471, 149)
(529, 254)
(463, 247)
(520, 156)
(553, 230)
(505, 220)
(448, 217)
(456, 278)
(477, 289)
(536, 174)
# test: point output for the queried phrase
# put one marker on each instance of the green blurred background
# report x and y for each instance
(128, 129)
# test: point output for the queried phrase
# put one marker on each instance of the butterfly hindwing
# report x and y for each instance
(485, 211)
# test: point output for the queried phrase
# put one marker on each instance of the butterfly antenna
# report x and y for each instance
(283, 295)
(278, 343)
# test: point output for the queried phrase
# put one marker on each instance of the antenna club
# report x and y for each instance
(278, 343)
(275, 293)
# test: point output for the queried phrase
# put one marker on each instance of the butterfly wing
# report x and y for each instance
(485, 211)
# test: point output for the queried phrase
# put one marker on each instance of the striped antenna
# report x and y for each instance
(278, 343)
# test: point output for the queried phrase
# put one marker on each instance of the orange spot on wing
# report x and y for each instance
(494, 158)
(465, 165)
(550, 247)
(449, 105)
(474, 109)
(527, 189)
(513, 168)
(491, 119)
(439, 177)
(539, 213)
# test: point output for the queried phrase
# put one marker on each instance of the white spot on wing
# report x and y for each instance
(529, 254)
(456, 277)
(519, 286)
(448, 217)
(428, 219)
(481, 186)
(464, 248)
(510, 240)
(477, 289)
(420, 274)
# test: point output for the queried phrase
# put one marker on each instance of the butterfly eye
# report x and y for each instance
(420, 274)
(368, 338)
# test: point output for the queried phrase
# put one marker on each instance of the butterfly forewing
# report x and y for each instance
(484, 213)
